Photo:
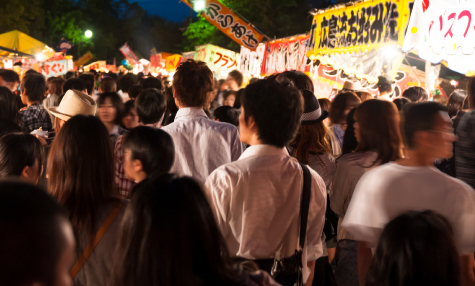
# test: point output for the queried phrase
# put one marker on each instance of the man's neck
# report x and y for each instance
(30, 103)
(415, 158)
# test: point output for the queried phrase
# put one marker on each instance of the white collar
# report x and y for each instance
(264, 150)
(190, 111)
(115, 130)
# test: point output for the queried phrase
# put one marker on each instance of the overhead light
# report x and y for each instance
(88, 34)
(40, 57)
(199, 5)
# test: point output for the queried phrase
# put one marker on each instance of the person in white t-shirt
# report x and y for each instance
(256, 200)
(413, 183)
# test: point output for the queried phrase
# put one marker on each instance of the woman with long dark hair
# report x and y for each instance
(379, 142)
(416, 249)
(81, 177)
(170, 237)
(8, 107)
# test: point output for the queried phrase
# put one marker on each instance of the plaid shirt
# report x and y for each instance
(124, 185)
(35, 117)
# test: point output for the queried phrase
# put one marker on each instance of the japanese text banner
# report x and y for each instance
(443, 30)
(55, 68)
(230, 24)
(359, 27)
(220, 61)
(285, 55)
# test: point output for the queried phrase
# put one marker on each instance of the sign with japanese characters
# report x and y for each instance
(229, 23)
(443, 30)
(286, 54)
(362, 26)
(251, 61)
(129, 54)
(172, 62)
(98, 66)
(84, 59)
(55, 68)
(220, 61)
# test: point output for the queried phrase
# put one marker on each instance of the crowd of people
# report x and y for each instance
(130, 179)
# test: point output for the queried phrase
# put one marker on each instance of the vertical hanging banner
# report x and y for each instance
(443, 30)
(286, 54)
(229, 23)
(252, 61)
(362, 38)
(129, 54)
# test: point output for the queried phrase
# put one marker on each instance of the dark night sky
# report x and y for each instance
(171, 10)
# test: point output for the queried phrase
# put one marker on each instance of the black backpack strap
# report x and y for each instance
(305, 204)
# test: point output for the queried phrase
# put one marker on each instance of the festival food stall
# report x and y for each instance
(362, 39)
(220, 61)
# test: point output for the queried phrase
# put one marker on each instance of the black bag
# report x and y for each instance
(331, 222)
(288, 271)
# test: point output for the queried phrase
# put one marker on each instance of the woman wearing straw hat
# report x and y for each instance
(73, 103)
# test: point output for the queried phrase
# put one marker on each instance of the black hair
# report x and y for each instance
(172, 109)
(227, 114)
(129, 105)
(8, 106)
(9, 76)
(419, 117)
(89, 81)
(300, 79)
(126, 81)
(8, 126)
(18, 150)
(193, 254)
(117, 101)
(384, 84)
(34, 84)
(152, 82)
(456, 102)
(32, 235)
(340, 104)
(153, 148)
(415, 94)
(70, 75)
(150, 106)
(135, 90)
(400, 102)
(74, 83)
(415, 249)
(276, 108)
(349, 140)
(237, 102)
(31, 71)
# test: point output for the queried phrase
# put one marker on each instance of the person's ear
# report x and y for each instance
(26, 172)
(421, 138)
(137, 165)
(174, 93)
(100, 91)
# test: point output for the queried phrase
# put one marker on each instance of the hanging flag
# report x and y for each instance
(229, 23)
(84, 59)
(129, 54)
(64, 46)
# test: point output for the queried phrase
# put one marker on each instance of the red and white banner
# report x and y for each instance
(285, 55)
(129, 54)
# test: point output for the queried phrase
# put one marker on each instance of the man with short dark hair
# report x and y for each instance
(10, 79)
(201, 144)
(34, 116)
(125, 82)
(37, 240)
(89, 80)
(227, 114)
(256, 200)
(414, 184)
(152, 82)
(150, 106)
(416, 94)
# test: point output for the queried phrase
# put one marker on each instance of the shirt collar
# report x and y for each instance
(264, 150)
(190, 111)
(156, 125)
(115, 130)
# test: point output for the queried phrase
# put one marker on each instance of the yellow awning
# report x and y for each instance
(21, 42)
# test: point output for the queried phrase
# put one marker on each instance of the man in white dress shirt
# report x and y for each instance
(256, 200)
(414, 184)
(201, 144)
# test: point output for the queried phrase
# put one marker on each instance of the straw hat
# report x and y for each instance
(312, 113)
(352, 85)
(74, 103)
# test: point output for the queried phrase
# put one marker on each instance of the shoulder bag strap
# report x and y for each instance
(305, 204)
(100, 233)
